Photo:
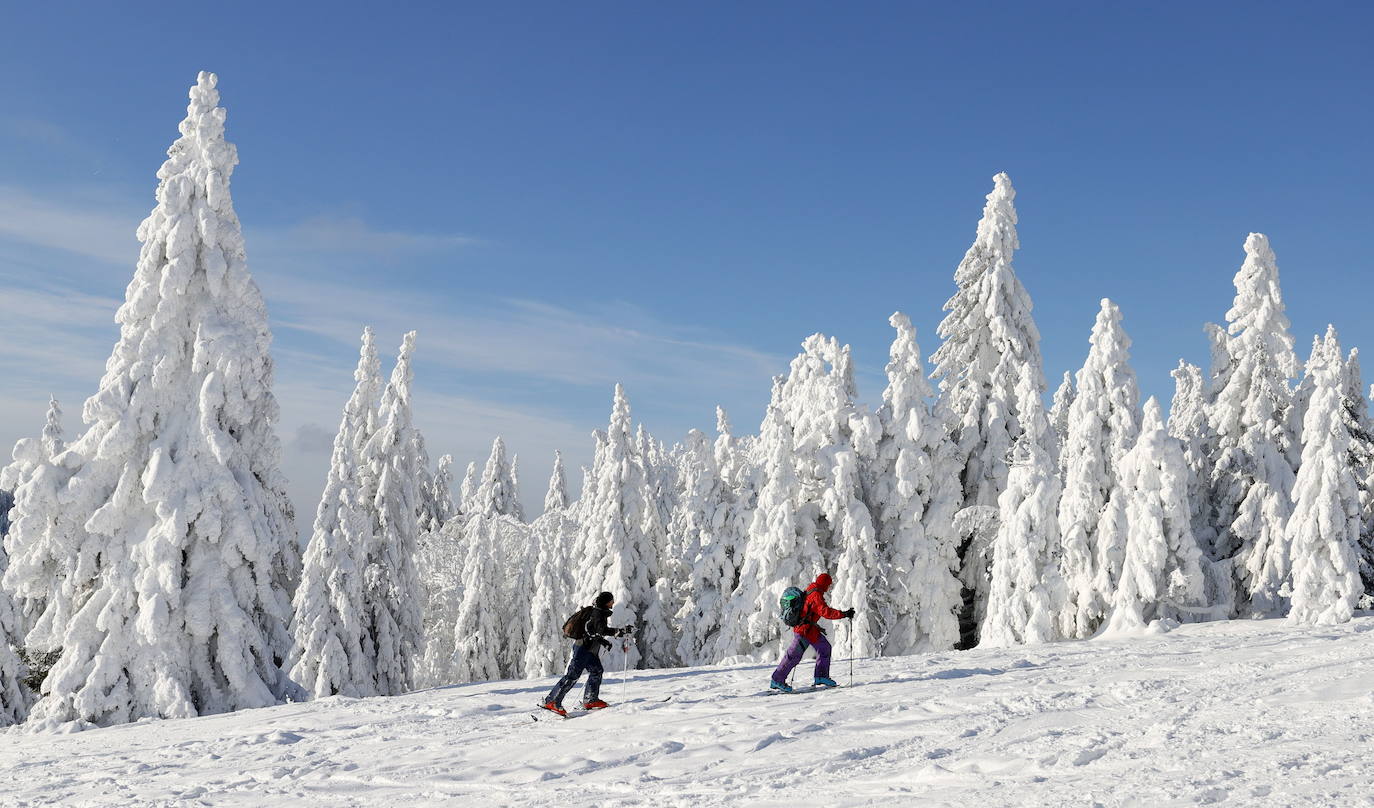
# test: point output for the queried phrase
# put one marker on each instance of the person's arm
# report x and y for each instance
(823, 609)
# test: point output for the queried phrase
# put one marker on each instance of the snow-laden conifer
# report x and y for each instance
(1324, 529)
(14, 694)
(1355, 413)
(913, 497)
(188, 533)
(699, 527)
(334, 651)
(391, 578)
(442, 554)
(554, 534)
(1104, 421)
(478, 633)
(834, 439)
(780, 552)
(496, 494)
(659, 641)
(989, 336)
(616, 556)
(1252, 478)
(1021, 606)
(1059, 412)
(467, 498)
(1161, 576)
(39, 569)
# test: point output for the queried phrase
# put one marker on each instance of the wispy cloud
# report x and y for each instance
(333, 234)
(67, 225)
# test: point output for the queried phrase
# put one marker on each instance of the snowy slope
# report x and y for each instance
(1241, 713)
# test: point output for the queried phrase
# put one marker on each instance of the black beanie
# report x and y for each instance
(604, 599)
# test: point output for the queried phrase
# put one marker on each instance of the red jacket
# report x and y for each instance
(815, 608)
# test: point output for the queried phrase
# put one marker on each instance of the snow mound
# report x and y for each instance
(1253, 713)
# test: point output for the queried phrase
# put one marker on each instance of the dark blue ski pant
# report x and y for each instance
(583, 659)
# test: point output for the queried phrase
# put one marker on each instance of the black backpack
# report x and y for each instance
(575, 627)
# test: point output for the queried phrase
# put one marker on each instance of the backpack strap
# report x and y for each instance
(806, 598)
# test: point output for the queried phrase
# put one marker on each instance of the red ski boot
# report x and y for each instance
(595, 704)
(554, 708)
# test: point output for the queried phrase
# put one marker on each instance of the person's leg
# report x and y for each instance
(823, 658)
(791, 658)
(592, 691)
(575, 666)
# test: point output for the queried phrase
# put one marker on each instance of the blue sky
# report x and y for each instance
(561, 196)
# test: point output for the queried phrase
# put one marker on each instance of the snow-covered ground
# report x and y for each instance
(1241, 713)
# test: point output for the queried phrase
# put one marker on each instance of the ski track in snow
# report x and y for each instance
(1241, 713)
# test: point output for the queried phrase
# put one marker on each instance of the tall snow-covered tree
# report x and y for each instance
(391, 580)
(334, 651)
(1188, 425)
(1161, 575)
(554, 533)
(914, 496)
(194, 558)
(1355, 414)
(1104, 421)
(989, 336)
(496, 494)
(467, 499)
(38, 568)
(834, 438)
(781, 551)
(1021, 606)
(616, 556)
(442, 554)
(699, 527)
(477, 633)
(1255, 454)
(14, 694)
(1059, 412)
(1323, 531)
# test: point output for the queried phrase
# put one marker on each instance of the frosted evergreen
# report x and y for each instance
(188, 559)
(554, 533)
(391, 577)
(334, 651)
(1255, 454)
(1104, 421)
(1059, 412)
(477, 633)
(1161, 575)
(914, 495)
(497, 493)
(1021, 600)
(988, 336)
(1324, 529)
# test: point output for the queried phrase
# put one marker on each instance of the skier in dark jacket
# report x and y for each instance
(587, 656)
(808, 633)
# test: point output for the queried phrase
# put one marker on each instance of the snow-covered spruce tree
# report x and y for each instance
(496, 493)
(38, 570)
(554, 533)
(834, 438)
(659, 644)
(1059, 412)
(698, 527)
(1104, 421)
(15, 697)
(477, 633)
(391, 580)
(334, 652)
(1188, 425)
(1324, 529)
(988, 336)
(616, 556)
(1252, 478)
(190, 600)
(1355, 413)
(914, 495)
(442, 554)
(1021, 605)
(468, 492)
(781, 552)
(1161, 577)
(440, 498)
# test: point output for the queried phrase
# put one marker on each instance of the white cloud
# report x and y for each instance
(333, 234)
(69, 226)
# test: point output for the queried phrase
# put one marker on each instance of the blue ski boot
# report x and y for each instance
(825, 681)
(779, 686)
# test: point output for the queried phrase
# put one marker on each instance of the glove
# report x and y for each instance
(849, 613)
(605, 643)
(624, 631)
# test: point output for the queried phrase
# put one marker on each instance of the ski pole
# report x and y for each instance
(624, 663)
(851, 652)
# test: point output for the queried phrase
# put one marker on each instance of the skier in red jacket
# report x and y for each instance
(808, 633)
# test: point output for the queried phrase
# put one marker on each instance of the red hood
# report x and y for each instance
(822, 583)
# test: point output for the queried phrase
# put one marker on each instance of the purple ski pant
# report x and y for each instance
(794, 655)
